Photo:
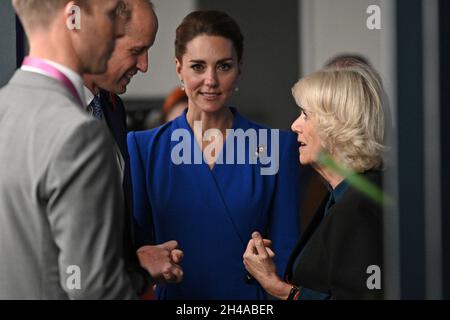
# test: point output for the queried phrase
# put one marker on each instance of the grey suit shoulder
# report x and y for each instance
(60, 198)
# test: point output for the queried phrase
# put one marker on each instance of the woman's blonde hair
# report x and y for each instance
(346, 105)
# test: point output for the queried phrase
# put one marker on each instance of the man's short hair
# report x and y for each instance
(125, 10)
(40, 13)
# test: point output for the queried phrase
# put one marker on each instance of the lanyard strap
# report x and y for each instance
(54, 73)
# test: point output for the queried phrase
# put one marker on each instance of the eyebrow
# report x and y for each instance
(141, 47)
(302, 108)
(203, 61)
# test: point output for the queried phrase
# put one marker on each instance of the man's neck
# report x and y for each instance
(55, 47)
(90, 84)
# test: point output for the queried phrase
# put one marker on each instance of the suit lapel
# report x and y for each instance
(115, 118)
(312, 227)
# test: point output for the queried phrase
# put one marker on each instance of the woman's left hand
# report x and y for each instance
(258, 260)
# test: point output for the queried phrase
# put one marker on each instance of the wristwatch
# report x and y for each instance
(293, 294)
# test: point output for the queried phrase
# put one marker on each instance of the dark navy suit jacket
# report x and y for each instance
(115, 116)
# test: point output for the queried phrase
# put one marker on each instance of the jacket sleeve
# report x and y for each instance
(85, 213)
(142, 212)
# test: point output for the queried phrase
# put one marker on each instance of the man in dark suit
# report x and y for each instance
(129, 57)
(61, 208)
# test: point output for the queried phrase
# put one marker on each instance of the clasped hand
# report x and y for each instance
(162, 262)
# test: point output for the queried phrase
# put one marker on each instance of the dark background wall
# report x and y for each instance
(444, 11)
(410, 148)
(271, 57)
(7, 41)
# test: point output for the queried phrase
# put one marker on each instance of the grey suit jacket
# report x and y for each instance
(61, 205)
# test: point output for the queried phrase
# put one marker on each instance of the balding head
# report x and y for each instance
(131, 53)
(132, 7)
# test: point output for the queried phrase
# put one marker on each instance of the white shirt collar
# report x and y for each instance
(74, 77)
(89, 96)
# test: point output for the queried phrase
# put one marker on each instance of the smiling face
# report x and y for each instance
(131, 52)
(310, 143)
(209, 70)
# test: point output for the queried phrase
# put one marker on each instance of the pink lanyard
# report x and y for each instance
(53, 72)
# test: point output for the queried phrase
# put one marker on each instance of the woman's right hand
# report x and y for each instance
(163, 262)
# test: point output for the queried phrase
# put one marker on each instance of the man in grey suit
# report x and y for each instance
(61, 216)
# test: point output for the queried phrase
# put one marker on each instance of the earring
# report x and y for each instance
(236, 89)
(182, 85)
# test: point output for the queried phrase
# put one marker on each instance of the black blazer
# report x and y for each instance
(115, 116)
(339, 248)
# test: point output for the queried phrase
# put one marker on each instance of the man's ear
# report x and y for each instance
(72, 15)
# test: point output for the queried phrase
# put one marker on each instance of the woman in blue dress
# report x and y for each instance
(210, 177)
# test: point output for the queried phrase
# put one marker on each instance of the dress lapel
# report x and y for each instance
(312, 227)
(210, 180)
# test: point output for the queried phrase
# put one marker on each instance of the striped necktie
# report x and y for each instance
(96, 107)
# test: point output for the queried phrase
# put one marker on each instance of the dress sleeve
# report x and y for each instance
(142, 211)
(284, 227)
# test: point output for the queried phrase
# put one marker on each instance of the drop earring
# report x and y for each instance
(182, 85)
(236, 89)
